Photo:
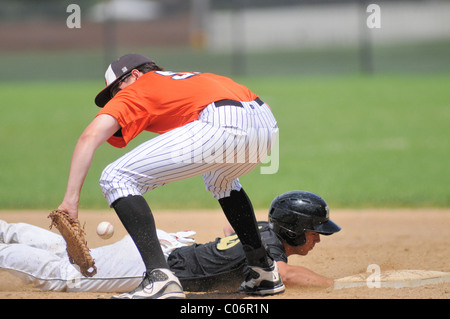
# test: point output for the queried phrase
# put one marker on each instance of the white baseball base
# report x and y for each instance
(393, 279)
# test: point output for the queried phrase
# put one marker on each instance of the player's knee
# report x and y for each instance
(109, 179)
(106, 177)
(114, 184)
(219, 192)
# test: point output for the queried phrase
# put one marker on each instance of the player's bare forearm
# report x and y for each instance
(100, 129)
(298, 276)
(81, 162)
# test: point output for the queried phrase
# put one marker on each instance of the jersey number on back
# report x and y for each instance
(177, 75)
(227, 242)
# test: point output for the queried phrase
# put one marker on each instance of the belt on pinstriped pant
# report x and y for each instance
(235, 103)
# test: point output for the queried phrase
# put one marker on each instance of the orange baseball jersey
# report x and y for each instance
(161, 101)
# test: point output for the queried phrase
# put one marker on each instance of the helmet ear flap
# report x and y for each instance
(291, 238)
(294, 239)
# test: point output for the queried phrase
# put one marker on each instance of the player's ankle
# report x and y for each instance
(258, 257)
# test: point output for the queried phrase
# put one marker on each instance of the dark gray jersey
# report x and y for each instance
(220, 264)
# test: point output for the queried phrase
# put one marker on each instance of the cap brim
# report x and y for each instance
(327, 228)
(104, 95)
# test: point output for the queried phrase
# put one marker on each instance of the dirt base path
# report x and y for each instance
(392, 240)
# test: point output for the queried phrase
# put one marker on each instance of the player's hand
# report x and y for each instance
(71, 209)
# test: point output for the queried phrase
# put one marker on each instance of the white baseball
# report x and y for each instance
(105, 230)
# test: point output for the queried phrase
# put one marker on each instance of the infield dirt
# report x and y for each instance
(392, 239)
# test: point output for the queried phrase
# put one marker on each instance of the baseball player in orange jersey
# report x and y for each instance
(209, 125)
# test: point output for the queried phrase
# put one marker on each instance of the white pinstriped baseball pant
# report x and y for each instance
(224, 143)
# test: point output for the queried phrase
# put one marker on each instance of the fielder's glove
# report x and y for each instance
(77, 248)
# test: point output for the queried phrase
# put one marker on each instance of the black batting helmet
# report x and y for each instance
(294, 212)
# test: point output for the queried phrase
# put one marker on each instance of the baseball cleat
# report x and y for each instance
(263, 281)
(158, 284)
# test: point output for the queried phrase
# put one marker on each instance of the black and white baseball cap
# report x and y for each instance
(116, 71)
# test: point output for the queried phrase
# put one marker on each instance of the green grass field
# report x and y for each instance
(380, 141)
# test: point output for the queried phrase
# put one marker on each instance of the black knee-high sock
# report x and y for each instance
(240, 214)
(137, 218)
